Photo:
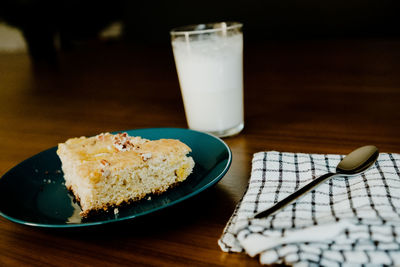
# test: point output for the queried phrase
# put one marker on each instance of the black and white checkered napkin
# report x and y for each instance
(345, 221)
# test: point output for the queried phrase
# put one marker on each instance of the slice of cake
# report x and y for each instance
(107, 170)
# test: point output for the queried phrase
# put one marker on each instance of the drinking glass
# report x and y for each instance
(209, 63)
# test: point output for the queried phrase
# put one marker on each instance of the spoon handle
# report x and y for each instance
(292, 197)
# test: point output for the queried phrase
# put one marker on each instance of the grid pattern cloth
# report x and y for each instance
(343, 222)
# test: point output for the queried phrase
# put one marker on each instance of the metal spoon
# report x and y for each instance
(354, 163)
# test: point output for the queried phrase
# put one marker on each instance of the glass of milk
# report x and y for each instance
(209, 62)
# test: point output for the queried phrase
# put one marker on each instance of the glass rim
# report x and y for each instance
(203, 28)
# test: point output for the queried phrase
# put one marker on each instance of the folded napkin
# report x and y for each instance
(345, 221)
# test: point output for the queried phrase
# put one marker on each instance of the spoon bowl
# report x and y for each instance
(358, 160)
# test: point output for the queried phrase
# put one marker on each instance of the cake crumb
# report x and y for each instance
(122, 142)
(146, 156)
(104, 162)
(105, 172)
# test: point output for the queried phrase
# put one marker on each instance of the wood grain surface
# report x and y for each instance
(322, 96)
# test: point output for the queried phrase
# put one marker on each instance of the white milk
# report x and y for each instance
(211, 78)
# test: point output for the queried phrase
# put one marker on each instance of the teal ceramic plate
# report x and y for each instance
(33, 192)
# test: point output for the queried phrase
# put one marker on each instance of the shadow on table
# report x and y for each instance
(212, 207)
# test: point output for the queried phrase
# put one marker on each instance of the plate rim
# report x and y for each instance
(125, 218)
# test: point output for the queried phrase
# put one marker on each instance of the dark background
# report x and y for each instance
(149, 22)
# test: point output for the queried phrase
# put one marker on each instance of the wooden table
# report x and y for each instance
(301, 96)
